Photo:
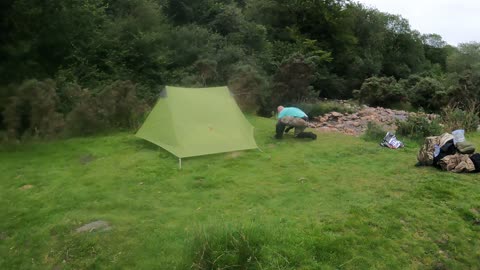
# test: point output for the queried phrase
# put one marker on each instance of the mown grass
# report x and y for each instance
(335, 203)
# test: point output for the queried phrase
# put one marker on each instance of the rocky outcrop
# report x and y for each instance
(356, 123)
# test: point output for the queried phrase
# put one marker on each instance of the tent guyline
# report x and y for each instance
(191, 122)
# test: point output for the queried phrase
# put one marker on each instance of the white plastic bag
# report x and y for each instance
(458, 136)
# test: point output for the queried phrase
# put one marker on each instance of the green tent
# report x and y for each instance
(197, 121)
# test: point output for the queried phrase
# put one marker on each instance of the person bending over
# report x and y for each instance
(291, 117)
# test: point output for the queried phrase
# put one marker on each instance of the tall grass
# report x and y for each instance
(419, 127)
(374, 132)
(225, 247)
(454, 117)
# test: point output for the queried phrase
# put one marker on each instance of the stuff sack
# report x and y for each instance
(458, 136)
(465, 147)
(426, 154)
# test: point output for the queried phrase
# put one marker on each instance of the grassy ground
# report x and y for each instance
(336, 203)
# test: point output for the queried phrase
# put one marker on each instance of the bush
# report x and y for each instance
(374, 132)
(84, 119)
(419, 127)
(249, 87)
(428, 93)
(32, 111)
(119, 106)
(380, 91)
(116, 106)
(292, 81)
(6, 92)
(455, 118)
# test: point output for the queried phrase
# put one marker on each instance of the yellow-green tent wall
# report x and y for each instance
(197, 121)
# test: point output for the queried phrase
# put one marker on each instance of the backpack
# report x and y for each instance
(426, 154)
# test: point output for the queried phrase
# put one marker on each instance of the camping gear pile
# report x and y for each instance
(390, 141)
(449, 152)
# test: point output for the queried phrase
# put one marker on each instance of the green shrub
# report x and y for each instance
(380, 91)
(428, 93)
(84, 119)
(116, 106)
(248, 86)
(292, 81)
(374, 132)
(455, 118)
(419, 127)
(32, 111)
(119, 106)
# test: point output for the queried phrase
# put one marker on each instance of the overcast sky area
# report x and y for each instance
(457, 21)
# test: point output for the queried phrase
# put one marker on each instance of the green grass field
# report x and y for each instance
(339, 202)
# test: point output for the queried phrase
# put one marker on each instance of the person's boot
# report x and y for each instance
(305, 135)
(288, 129)
(279, 128)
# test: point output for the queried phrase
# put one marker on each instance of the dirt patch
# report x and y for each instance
(99, 225)
(233, 155)
(25, 187)
(87, 159)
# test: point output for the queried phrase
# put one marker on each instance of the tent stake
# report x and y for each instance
(180, 163)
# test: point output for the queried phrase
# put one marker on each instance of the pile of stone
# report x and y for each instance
(356, 123)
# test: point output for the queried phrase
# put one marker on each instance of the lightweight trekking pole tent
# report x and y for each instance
(191, 122)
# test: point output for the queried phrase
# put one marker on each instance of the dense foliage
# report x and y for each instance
(267, 51)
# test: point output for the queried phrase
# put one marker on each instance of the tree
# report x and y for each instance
(467, 56)
(292, 81)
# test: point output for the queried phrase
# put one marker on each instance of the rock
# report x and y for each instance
(367, 118)
(99, 225)
(87, 159)
(24, 187)
(233, 155)
(350, 131)
(357, 122)
(401, 117)
(325, 129)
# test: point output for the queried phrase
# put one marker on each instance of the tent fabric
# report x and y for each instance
(197, 121)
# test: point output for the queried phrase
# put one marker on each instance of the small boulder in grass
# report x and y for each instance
(25, 187)
(98, 225)
(336, 114)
